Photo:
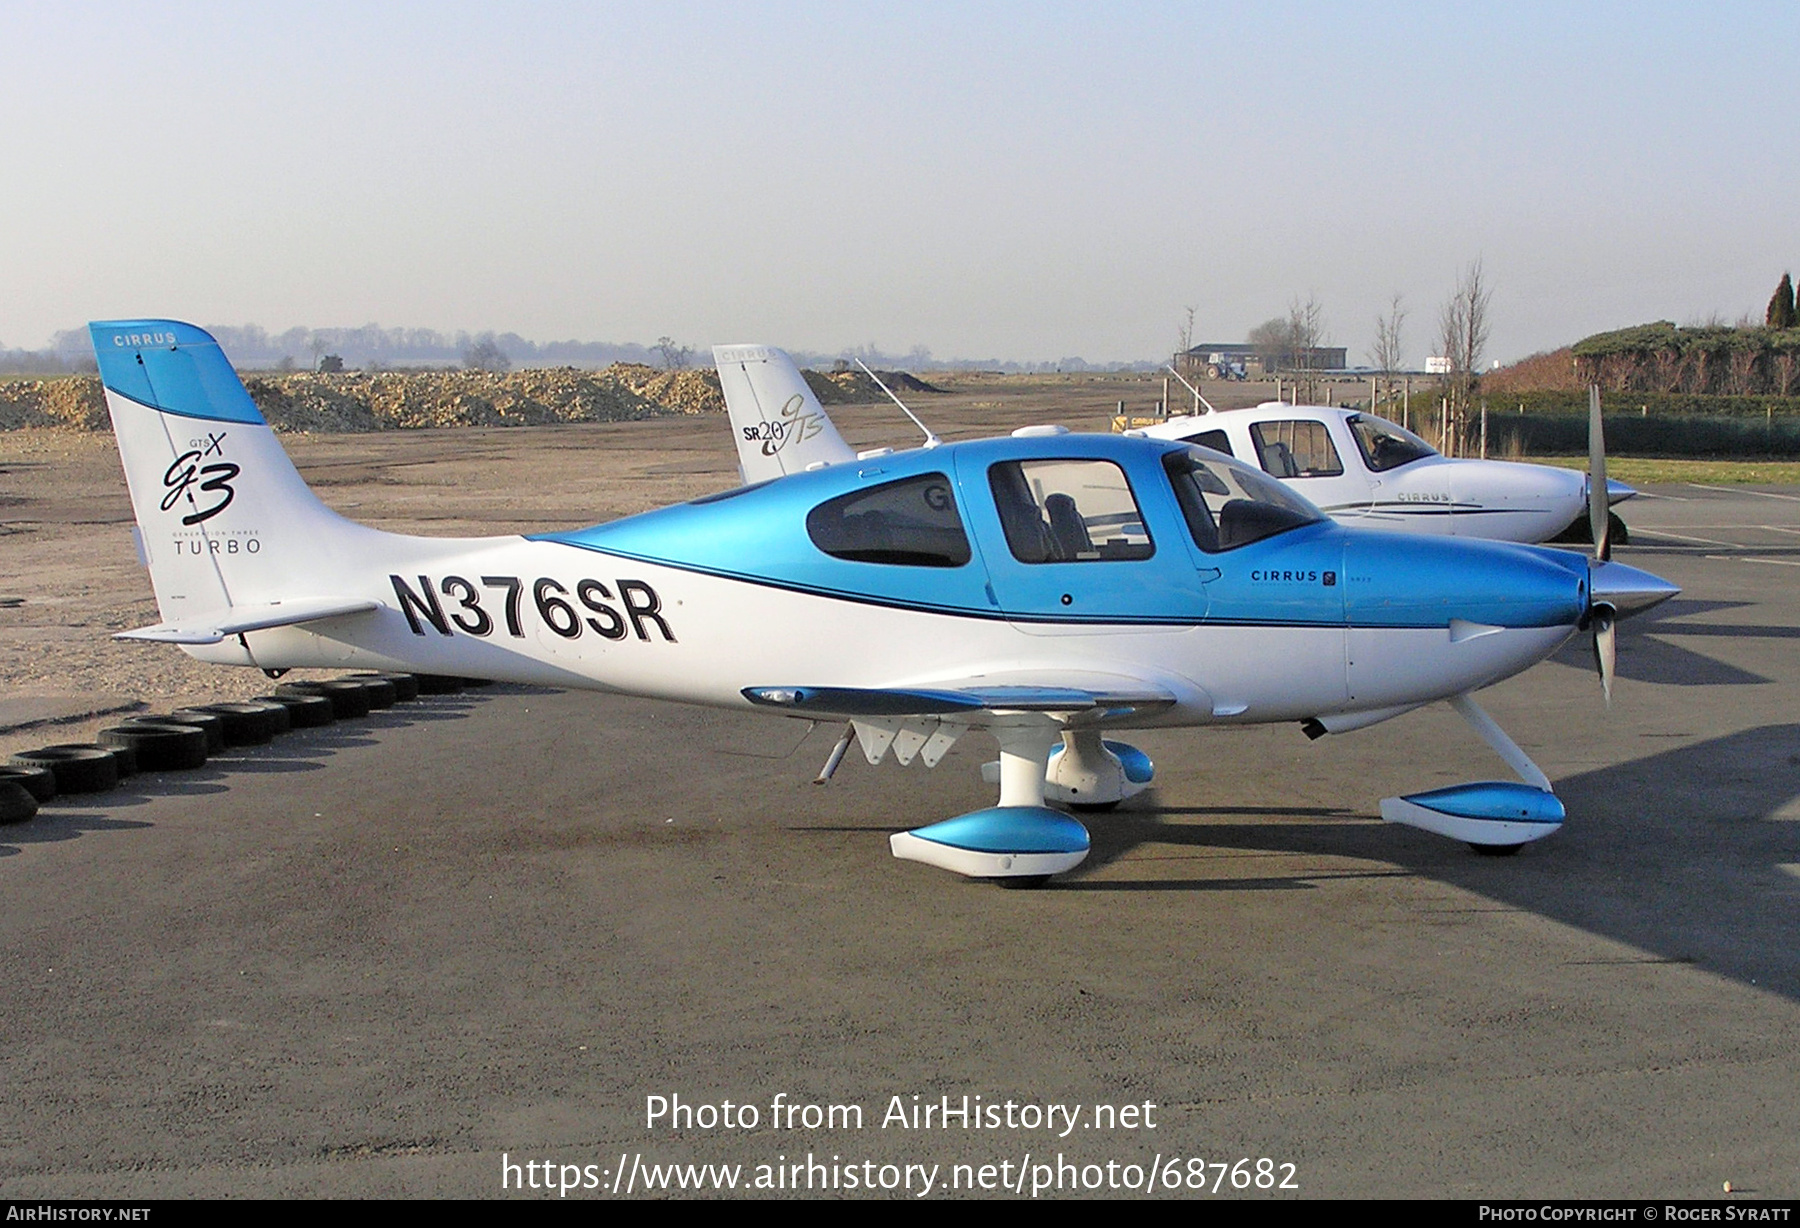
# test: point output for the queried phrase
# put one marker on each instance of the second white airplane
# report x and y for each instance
(1361, 470)
(1367, 472)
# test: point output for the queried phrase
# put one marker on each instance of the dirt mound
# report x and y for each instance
(354, 401)
(357, 401)
(390, 400)
(70, 401)
(854, 387)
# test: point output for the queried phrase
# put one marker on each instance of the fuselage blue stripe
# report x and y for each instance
(1063, 620)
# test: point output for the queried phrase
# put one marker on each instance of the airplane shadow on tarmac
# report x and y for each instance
(1691, 855)
(1646, 655)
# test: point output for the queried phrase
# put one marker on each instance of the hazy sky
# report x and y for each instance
(1023, 181)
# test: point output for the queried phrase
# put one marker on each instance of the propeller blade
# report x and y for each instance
(1599, 519)
(1606, 650)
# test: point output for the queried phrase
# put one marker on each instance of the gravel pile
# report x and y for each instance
(68, 401)
(356, 401)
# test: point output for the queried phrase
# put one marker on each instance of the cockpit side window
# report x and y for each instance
(1386, 446)
(1068, 511)
(912, 522)
(1228, 505)
(1296, 448)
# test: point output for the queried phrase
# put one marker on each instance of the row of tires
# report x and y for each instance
(181, 741)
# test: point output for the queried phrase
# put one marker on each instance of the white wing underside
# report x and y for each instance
(925, 719)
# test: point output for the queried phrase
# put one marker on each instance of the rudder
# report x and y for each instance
(776, 419)
(224, 519)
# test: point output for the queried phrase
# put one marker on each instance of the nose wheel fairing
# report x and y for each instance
(1486, 813)
(1489, 813)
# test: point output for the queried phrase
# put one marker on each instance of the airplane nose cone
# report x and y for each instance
(1626, 589)
(1618, 492)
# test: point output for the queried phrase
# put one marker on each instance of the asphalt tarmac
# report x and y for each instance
(397, 956)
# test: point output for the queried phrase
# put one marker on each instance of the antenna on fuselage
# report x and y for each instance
(931, 438)
(1197, 397)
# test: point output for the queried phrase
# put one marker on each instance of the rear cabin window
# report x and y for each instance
(1211, 439)
(1296, 448)
(1068, 511)
(912, 522)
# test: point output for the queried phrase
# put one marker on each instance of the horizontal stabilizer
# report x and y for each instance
(212, 627)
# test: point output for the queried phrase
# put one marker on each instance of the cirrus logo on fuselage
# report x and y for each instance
(1327, 578)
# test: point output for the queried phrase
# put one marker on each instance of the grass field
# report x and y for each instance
(1726, 472)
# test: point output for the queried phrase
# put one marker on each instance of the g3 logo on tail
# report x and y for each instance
(186, 471)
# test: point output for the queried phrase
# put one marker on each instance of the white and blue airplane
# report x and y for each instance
(1046, 588)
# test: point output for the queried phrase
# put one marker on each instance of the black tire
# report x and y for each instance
(160, 748)
(1495, 850)
(304, 711)
(349, 700)
(438, 684)
(406, 687)
(279, 720)
(124, 758)
(1580, 531)
(1095, 807)
(210, 724)
(1023, 882)
(244, 724)
(40, 782)
(17, 805)
(77, 769)
(382, 693)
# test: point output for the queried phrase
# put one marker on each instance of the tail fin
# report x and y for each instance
(776, 419)
(224, 520)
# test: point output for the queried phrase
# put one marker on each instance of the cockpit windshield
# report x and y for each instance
(1385, 446)
(1228, 505)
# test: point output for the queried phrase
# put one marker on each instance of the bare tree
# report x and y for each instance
(1273, 343)
(1185, 337)
(674, 357)
(1305, 333)
(1463, 332)
(1388, 352)
(486, 355)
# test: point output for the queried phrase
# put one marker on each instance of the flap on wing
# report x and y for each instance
(211, 627)
(987, 693)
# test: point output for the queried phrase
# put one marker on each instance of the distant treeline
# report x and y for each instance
(374, 348)
(1709, 359)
